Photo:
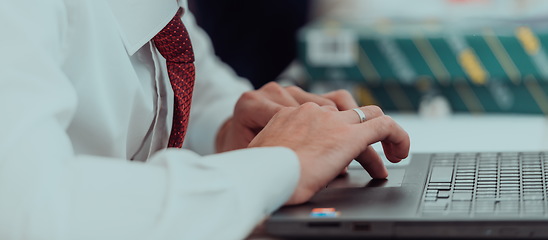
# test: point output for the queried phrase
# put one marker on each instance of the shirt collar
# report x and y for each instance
(141, 20)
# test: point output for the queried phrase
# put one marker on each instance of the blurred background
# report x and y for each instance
(256, 38)
(433, 57)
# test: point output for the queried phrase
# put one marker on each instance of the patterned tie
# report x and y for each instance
(174, 44)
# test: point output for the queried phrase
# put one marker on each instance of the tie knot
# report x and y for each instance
(173, 41)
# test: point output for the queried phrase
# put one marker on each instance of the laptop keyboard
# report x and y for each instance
(486, 184)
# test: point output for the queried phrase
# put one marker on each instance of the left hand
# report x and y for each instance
(254, 110)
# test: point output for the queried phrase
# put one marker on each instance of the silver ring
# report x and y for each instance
(360, 114)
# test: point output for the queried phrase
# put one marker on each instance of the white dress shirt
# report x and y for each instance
(82, 92)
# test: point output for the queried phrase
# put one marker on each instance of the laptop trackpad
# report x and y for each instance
(359, 178)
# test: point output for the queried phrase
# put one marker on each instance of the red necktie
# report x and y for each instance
(174, 45)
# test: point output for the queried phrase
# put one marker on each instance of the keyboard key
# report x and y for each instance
(533, 197)
(505, 175)
(457, 184)
(464, 187)
(462, 196)
(431, 195)
(465, 181)
(509, 187)
(444, 194)
(486, 179)
(441, 174)
(509, 182)
(438, 184)
(487, 183)
(510, 192)
(466, 169)
(533, 186)
(466, 176)
(439, 187)
(485, 196)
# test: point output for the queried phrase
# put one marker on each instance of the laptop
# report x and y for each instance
(448, 195)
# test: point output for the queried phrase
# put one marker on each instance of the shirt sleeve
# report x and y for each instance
(216, 91)
(50, 192)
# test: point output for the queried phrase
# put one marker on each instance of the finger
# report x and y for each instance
(342, 98)
(385, 129)
(331, 108)
(388, 152)
(255, 110)
(344, 172)
(302, 96)
(371, 112)
(372, 163)
(278, 94)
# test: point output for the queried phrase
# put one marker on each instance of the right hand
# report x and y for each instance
(326, 140)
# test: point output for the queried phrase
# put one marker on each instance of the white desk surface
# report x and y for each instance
(476, 133)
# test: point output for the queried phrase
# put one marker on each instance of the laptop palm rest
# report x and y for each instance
(364, 206)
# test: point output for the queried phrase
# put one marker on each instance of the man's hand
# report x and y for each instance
(255, 108)
(326, 140)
